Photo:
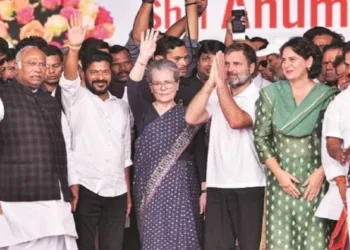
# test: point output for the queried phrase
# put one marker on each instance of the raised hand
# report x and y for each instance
(211, 81)
(76, 31)
(148, 45)
(220, 76)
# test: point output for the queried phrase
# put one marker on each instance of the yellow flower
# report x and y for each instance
(56, 25)
(35, 28)
(6, 10)
(88, 8)
(88, 22)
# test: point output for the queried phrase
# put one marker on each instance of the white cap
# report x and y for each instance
(272, 48)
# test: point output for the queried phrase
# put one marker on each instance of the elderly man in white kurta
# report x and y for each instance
(335, 160)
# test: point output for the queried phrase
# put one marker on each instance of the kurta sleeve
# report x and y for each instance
(263, 129)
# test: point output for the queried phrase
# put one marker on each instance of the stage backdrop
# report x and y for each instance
(268, 18)
(112, 19)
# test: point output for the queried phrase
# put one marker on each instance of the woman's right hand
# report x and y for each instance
(286, 181)
(148, 45)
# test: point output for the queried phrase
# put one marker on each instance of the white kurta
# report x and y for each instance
(30, 221)
(336, 124)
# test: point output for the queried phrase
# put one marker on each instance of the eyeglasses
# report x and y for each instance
(33, 64)
(166, 84)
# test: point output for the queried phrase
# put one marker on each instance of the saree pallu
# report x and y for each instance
(292, 134)
(167, 189)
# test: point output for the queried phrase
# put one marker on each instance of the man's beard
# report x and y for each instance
(90, 86)
(239, 80)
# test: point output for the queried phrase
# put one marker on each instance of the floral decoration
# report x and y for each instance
(49, 19)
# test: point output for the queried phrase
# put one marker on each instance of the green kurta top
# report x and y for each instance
(292, 134)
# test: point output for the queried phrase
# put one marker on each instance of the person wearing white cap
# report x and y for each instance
(272, 53)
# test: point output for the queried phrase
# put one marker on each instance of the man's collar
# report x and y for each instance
(247, 92)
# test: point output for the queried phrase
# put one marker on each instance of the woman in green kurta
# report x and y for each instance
(288, 140)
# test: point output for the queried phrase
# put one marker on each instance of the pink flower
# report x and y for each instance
(103, 16)
(57, 44)
(51, 4)
(70, 3)
(101, 31)
(25, 15)
(68, 11)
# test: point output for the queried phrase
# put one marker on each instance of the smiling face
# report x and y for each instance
(98, 77)
(163, 85)
(238, 69)
(294, 66)
(32, 68)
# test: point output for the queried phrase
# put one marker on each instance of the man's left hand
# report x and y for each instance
(129, 205)
(74, 190)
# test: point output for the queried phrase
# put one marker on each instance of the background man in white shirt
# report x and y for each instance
(235, 178)
(101, 145)
(336, 151)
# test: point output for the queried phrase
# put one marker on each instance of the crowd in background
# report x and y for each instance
(169, 142)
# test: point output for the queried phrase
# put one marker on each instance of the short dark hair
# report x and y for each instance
(115, 49)
(10, 55)
(167, 43)
(333, 46)
(338, 60)
(4, 46)
(346, 48)
(247, 50)
(95, 56)
(260, 39)
(36, 41)
(210, 47)
(306, 49)
(318, 30)
(92, 44)
(51, 50)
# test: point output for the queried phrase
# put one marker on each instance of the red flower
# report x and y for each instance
(70, 3)
(25, 15)
(51, 4)
(68, 11)
(57, 44)
(101, 31)
(103, 16)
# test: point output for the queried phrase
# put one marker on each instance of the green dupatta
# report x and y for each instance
(296, 120)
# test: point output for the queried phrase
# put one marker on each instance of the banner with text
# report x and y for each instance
(271, 19)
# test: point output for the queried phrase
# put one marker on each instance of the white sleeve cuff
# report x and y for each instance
(128, 163)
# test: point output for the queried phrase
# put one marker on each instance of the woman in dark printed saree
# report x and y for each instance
(288, 140)
(166, 182)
